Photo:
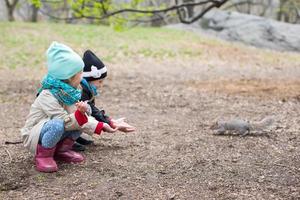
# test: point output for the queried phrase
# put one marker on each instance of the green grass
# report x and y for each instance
(25, 44)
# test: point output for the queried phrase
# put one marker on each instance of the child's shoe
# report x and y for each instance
(64, 153)
(78, 147)
(84, 141)
(44, 161)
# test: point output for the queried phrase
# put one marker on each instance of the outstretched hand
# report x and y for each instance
(107, 128)
(82, 106)
(123, 126)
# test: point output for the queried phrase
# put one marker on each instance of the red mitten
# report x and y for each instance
(81, 118)
(99, 128)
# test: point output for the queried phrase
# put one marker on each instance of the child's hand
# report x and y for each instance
(82, 107)
(107, 128)
(126, 129)
(123, 126)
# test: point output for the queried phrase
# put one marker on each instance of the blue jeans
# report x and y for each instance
(54, 131)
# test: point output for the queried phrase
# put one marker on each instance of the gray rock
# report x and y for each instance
(253, 30)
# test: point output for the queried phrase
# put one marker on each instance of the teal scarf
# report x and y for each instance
(90, 87)
(62, 91)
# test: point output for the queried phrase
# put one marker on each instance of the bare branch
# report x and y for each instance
(103, 8)
(215, 3)
(11, 5)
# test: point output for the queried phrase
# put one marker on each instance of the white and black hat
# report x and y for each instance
(94, 69)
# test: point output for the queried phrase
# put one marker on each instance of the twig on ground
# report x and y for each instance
(7, 151)
(16, 142)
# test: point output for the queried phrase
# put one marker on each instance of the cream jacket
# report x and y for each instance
(47, 107)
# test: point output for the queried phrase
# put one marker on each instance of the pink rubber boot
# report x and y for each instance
(44, 161)
(64, 153)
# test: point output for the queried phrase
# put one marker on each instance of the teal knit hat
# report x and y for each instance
(62, 61)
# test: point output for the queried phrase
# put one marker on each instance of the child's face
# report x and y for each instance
(76, 79)
(97, 83)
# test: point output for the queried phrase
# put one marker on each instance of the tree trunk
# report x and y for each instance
(10, 14)
(190, 9)
(248, 7)
(34, 13)
(10, 9)
(281, 10)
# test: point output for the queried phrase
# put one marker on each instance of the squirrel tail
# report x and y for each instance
(264, 123)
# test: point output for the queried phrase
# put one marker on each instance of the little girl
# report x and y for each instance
(94, 74)
(57, 117)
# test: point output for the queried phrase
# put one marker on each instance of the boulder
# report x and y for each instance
(249, 29)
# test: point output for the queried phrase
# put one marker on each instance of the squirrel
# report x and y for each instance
(241, 126)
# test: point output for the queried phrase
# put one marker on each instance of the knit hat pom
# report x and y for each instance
(94, 69)
(62, 61)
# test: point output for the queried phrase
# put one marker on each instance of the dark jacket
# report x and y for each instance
(87, 95)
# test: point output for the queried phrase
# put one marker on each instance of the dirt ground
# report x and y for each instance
(174, 153)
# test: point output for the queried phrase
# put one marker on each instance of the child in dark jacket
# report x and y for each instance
(94, 73)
